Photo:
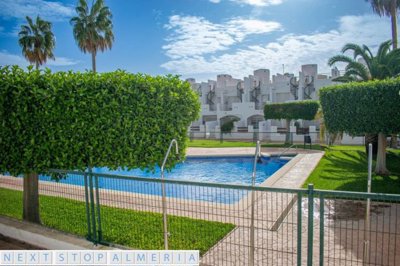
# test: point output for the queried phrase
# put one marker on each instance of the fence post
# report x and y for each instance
(99, 231)
(299, 227)
(164, 211)
(310, 224)
(93, 212)
(88, 216)
(251, 244)
(367, 211)
(221, 137)
(321, 229)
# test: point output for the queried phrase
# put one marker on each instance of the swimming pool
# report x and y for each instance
(225, 170)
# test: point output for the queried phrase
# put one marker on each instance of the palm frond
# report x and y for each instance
(339, 59)
(92, 29)
(37, 41)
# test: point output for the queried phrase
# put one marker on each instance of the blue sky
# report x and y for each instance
(203, 38)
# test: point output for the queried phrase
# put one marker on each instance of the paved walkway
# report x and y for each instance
(7, 243)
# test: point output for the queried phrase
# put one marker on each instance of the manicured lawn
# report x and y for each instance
(300, 146)
(136, 229)
(206, 143)
(345, 168)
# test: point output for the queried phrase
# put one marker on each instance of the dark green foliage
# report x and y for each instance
(228, 126)
(294, 110)
(135, 229)
(385, 64)
(362, 108)
(73, 120)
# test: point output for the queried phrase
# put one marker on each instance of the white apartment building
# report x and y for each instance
(243, 100)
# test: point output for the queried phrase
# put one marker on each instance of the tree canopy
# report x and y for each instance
(70, 120)
(360, 108)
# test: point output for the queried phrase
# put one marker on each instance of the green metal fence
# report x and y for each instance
(291, 226)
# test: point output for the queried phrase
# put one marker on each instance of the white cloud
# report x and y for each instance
(197, 36)
(62, 61)
(7, 58)
(54, 11)
(12, 59)
(215, 1)
(293, 50)
(259, 2)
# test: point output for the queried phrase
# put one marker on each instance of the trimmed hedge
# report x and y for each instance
(362, 107)
(293, 110)
(73, 120)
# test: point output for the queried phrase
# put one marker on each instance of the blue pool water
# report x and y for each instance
(225, 170)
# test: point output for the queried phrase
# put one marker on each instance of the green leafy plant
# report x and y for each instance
(293, 110)
(359, 108)
(70, 120)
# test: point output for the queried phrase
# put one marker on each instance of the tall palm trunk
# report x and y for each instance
(94, 62)
(393, 16)
(381, 156)
(37, 65)
(31, 198)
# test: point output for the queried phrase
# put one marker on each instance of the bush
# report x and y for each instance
(362, 108)
(228, 126)
(73, 120)
(293, 110)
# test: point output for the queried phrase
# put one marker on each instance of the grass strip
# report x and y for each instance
(135, 229)
(346, 168)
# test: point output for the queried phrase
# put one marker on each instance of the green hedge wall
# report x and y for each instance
(294, 110)
(362, 108)
(71, 120)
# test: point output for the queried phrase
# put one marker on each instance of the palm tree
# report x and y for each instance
(365, 66)
(93, 28)
(37, 41)
(387, 8)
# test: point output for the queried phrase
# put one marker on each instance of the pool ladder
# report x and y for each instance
(164, 197)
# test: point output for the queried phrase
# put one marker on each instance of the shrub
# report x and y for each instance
(70, 120)
(293, 110)
(74, 120)
(371, 107)
(362, 108)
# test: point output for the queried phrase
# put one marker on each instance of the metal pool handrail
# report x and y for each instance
(287, 149)
(164, 201)
(253, 183)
